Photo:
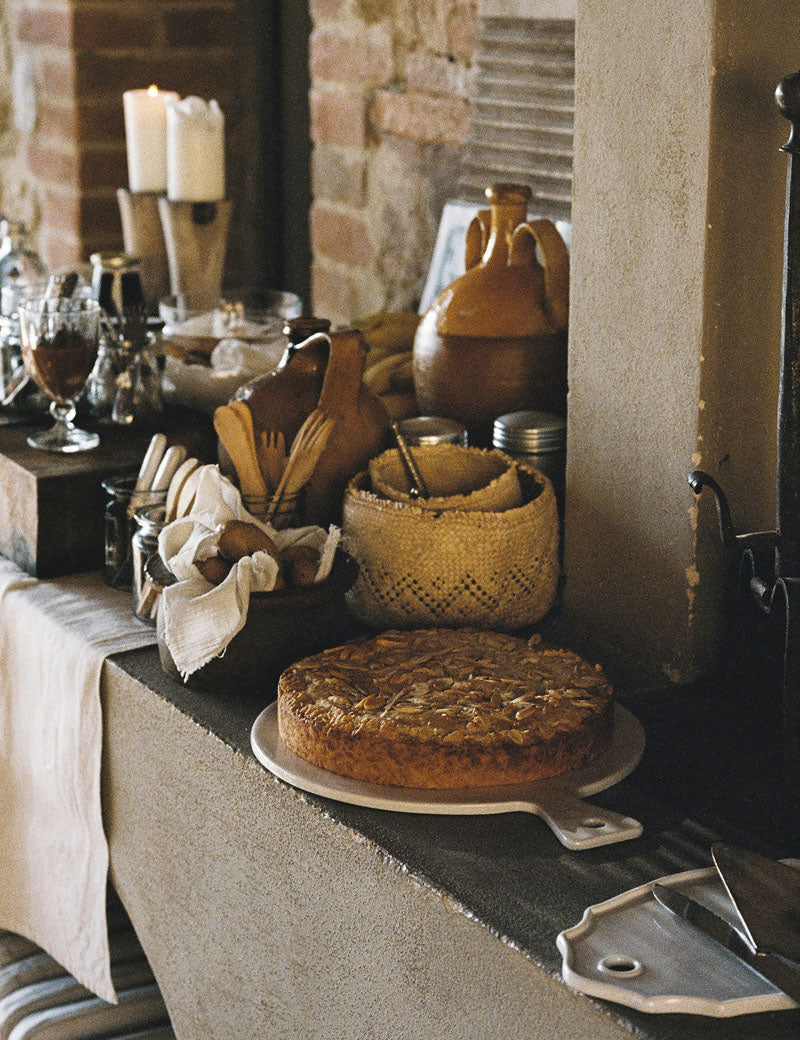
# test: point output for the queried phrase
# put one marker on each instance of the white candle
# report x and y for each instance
(195, 151)
(146, 137)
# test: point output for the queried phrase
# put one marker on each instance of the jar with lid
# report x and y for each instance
(432, 429)
(538, 438)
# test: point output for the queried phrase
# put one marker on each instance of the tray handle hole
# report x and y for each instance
(621, 966)
(594, 823)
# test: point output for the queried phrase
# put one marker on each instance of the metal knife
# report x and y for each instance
(766, 894)
(780, 972)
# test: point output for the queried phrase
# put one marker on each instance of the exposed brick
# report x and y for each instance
(200, 27)
(51, 27)
(95, 29)
(98, 217)
(53, 166)
(104, 168)
(420, 117)
(363, 58)
(340, 236)
(62, 249)
(111, 74)
(58, 77)
(435, 74)
(58, 122)
(338, 177)
(462, 24)
(325, 9)
(337, 118)
(332, 294)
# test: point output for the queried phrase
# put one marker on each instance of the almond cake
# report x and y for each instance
(445, 708)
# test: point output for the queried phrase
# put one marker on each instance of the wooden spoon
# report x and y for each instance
(233, 435)
(186, 497)
(176, 486)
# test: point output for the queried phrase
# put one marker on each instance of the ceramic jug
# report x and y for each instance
(323, 372)
(495, 340)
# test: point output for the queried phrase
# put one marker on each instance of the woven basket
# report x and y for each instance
(457, 477)
(420, 568)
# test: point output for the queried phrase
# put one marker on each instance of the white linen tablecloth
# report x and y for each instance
(54, 637)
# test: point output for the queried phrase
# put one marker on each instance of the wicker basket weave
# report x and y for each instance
(420, 568)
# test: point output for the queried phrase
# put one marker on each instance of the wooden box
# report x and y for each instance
(51, 506)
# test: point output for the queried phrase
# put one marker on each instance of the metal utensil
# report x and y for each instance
(766, 895)
(417, 486)
(780, 972)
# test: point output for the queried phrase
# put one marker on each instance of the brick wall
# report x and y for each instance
(84, 54)
(388, 103)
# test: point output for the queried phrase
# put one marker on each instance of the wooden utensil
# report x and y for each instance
(307, 447)
(176, 486)
(187, 495)
(233, 434)
(272, 456)
(174, 457)
(150, 463)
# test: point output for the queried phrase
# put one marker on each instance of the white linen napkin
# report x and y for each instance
(54, 637)
(200, 619)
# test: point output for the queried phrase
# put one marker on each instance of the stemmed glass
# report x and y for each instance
(60, 337)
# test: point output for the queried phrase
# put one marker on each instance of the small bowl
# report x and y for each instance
(282, 627)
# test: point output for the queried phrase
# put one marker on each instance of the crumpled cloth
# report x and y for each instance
(251, 358)
(200, 619)
(54, 637)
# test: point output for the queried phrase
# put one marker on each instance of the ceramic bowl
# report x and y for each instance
(281, 628)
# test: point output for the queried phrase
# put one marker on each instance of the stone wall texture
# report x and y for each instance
(389, 106)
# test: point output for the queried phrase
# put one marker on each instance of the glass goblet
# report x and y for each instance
(60, 338)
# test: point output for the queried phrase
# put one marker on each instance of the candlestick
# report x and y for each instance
(196, 236)
(143, 237)
(146, 137)
(195, 151)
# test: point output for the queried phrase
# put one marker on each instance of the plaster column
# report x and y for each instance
(675, 316)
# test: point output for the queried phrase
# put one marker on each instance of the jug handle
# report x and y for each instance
(477, 238)
(556, 264)
(343, 373)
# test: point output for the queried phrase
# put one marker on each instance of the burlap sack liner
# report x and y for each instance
(419, 567)
(458, 478)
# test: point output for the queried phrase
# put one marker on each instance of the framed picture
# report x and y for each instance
(447, 262)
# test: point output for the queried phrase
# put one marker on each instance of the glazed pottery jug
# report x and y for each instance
(323, 372)
(495, 340)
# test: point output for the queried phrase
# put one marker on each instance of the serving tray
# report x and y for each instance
(576, 824)
(633, 951)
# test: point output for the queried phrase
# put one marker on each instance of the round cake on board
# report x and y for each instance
(445, 708)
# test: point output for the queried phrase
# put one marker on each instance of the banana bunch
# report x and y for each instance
(388, 371)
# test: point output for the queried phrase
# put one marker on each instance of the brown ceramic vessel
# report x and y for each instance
(495, 340)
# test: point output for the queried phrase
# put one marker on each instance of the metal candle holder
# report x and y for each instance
(763, 568)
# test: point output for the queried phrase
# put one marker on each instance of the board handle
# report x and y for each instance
(578, 825)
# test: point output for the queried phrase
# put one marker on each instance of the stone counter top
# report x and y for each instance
(266, 911)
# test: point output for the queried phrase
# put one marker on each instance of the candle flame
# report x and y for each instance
(152, 90)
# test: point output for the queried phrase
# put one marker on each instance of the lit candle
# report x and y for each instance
(195, 151)
(146, 137)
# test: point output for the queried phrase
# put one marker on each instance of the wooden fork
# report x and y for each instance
(272, 457)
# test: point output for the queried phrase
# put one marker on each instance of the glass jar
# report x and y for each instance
(118, 566)
(149, 523)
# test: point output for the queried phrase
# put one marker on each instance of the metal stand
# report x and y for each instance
(764, 567)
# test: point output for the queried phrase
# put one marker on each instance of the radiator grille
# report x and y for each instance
(522, 112)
